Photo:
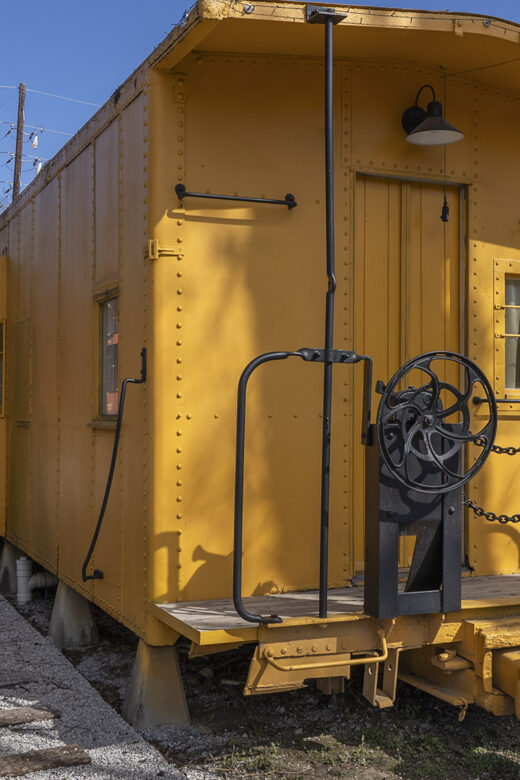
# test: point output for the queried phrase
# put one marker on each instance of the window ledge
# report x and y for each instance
(103, 425)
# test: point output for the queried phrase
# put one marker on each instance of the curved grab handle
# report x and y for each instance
(239, 485)
(310, 355)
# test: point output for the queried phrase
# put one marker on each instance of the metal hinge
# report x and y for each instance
(155, 251)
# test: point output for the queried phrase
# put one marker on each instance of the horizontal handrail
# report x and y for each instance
(367, 659)
(288, 201)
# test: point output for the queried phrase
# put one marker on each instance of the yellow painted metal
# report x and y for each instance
(208, 285)
(385, 696)
(284, 659)
(506, 674)
(318, 655)
(407, 269)
(327, 662)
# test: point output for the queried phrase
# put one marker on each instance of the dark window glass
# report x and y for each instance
(109, 355)
(512, 327)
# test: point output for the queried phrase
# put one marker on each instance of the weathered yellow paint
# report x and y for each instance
(232, 103)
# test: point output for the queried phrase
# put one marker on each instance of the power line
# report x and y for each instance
(61, 97)
(51, 94)
(36, 127)
(7, 101)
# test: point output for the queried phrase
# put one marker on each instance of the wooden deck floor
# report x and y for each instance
(220, 614)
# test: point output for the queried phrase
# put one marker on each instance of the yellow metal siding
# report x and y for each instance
(243, 287)
(84, 234)
(233, 280)
(77, 363)
(494, 240)
(134, 313)
(45, 308)
(406, 292)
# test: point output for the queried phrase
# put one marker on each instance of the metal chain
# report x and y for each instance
(479, 511)
(497, 449)
(491, 516)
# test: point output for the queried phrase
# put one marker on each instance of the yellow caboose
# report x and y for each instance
(192, 217)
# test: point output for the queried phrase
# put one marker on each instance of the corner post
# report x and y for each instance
(328, 17)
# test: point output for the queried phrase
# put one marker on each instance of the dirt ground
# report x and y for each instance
(301, 733)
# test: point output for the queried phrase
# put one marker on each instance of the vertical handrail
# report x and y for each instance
(310, 355)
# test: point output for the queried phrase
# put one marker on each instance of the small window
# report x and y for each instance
(109, 356)
(512, 331)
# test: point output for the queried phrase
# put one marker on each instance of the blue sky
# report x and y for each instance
(85, 50)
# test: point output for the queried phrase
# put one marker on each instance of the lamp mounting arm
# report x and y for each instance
(425, 86)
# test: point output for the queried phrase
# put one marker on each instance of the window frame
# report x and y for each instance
(502, 269)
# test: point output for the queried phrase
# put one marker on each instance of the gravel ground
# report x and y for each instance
(49, 679)
(299, 734)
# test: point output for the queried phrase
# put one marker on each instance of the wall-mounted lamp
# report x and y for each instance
(428, 128)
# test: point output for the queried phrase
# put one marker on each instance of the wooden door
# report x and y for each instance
(407, 283)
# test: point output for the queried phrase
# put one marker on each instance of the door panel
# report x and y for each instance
(407, 282)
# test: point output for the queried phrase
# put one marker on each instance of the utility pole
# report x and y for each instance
(17, 176)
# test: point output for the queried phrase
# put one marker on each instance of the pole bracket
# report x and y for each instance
(317, 14)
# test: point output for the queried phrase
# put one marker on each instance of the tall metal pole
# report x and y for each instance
(17, 176)
(328, 17)
(329, 318)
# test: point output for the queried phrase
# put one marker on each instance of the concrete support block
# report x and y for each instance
(8, 559)
(155, 695)
(72, 624)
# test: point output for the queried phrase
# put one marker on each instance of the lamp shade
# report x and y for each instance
(429, 128)
(434, 129)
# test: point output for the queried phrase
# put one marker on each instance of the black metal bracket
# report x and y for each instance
(288, 201)
(477, 400)
(310, 355)
(317, 14)
(329, 355)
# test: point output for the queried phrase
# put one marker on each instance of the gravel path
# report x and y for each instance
(42, 676)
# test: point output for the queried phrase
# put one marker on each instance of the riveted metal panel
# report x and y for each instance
(77, 362)
(494, 251)
(106, 231)
(45, 310)
(133, 317)
(380, 94)
(241, 289)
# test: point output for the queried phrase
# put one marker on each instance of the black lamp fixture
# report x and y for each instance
(428, 128)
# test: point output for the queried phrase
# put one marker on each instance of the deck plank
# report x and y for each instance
(220, 614)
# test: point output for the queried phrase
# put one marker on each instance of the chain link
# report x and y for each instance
(497, 449)
(479, 511)
(491, 516)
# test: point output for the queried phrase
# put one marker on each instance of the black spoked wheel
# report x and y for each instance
(422, 428)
